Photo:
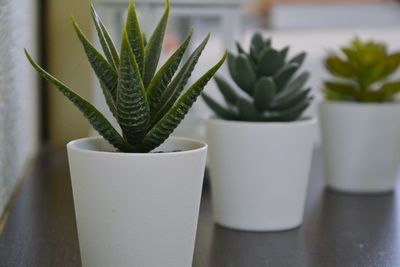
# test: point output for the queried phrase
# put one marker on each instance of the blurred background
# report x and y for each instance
(33, 113)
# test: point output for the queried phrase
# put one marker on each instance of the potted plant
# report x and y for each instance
(260, 145)
(360, 122)
(137, 202)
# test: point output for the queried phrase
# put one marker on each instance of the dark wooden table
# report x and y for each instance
(339, 230)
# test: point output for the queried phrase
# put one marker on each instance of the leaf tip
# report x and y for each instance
(226, 53)
(75, 24)
(72, 18)
(93, 11)
(191, 30)
(27, 55)
(131, 5)
(124, 32)
(167, 5)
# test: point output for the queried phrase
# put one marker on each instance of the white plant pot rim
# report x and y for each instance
(77, 146)
(301, 122)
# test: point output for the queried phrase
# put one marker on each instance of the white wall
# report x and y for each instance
(330, 16)
(19, 118)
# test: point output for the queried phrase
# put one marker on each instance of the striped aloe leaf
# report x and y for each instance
(148, 104)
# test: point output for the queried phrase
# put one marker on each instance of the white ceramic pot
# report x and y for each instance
(259, 172)
(137, 209)
(361, 144)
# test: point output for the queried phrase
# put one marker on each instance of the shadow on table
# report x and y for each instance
(354, 230)
(238, 249)
(342, 230)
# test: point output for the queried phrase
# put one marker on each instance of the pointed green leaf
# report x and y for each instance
(245, 76)
(133, 109)
(283, 76)
(105, 40)
(254, 54)
(144, 38)
(292, 100)
(218, 109)
(104, 71)
(389, 90)
(257, 41)
(161, 131)
(247, 111)
(370, 74)
(174, 89)
(392, 63)
(373, 97)
(270, 62)
(284, 52)
(111, 45)
(349, 53)
(339, 67)
(96, 119)
(135, 36)
(164, 76)
(232, 65)
(264, 93)
(347, 90)
(240, 48)
(294, 85)
(290, 89)
(111, 103)
(227, 91)
(299, 59)
(294, 113)
(153, 48)
(332, 96)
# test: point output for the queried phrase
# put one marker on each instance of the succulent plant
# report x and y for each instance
(270, 89)
(361, 72)
(147, 104)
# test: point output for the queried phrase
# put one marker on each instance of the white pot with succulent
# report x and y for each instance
(137, 194)
(360, 123)
(261, 146)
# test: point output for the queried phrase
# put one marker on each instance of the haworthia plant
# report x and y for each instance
(271, 90)
(361, 71)
(147, 104)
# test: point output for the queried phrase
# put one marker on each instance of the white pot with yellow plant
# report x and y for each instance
(360, 119)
